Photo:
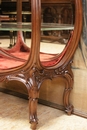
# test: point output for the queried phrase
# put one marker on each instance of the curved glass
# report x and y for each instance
(15, 39)
(14, 30)
(57, 25)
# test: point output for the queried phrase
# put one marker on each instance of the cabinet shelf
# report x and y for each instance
(11, 26)
(15, 12)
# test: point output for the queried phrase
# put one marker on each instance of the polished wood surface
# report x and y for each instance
(33, 72)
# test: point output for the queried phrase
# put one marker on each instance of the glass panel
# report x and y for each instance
(57, 25)
(15, 26)
(15, 34)
(53, 39)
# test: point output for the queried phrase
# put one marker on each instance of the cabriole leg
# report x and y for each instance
(69, 85)
(33, 100)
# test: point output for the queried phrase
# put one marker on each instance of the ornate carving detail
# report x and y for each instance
(33, 77)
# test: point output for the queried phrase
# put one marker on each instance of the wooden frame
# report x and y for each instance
(33, 73)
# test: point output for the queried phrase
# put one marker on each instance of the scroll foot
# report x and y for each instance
(69, 109)
(33, 125)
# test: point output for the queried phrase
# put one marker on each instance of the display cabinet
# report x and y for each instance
(31, 64)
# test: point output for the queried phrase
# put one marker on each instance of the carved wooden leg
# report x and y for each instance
(33, 113)
(33, 99)
(67, 105)
(69, 83)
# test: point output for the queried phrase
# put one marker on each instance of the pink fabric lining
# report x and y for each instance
(9, 58)
(6, 63)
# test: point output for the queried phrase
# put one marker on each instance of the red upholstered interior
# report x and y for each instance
(7, 62)
(17, 55)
